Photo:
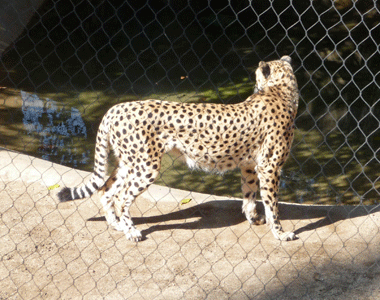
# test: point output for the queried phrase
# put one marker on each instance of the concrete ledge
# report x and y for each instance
(204, 249)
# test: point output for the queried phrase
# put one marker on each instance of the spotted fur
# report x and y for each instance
(254, 135)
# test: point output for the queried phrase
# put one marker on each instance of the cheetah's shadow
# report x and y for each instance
(225, 213)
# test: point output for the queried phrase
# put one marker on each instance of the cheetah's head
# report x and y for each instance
(276, 72)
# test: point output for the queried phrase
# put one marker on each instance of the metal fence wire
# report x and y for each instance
(65, 63)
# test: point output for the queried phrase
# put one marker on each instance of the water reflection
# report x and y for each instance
(60, 132)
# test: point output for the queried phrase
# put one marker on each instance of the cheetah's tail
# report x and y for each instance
(97, 179)
(84, 191)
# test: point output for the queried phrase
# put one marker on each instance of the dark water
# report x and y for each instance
(60, 133)
(323, 168)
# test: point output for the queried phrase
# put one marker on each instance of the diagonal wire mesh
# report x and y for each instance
(64, 63)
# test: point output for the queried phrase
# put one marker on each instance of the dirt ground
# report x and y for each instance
(204, 249)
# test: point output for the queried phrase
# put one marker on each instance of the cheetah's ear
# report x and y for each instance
(286, 58)
(265, 69)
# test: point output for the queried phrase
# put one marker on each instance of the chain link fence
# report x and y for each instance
(75, 59)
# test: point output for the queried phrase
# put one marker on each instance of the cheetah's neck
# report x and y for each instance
(291, 94)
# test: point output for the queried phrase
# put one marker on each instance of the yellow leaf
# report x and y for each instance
(185, 201)
(52, 187)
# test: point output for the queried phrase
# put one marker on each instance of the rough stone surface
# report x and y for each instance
(204, 249)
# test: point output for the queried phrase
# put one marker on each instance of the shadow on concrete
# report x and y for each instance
(225, 213)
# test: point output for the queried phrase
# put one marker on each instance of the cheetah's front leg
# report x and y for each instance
(269, 187)
(249, 185)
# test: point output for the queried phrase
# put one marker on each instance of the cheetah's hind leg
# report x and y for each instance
(125, 200)
(109, 193)
(135, 187)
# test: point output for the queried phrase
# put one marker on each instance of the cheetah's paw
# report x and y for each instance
(133, 235)
(259, 219)
(287, 236)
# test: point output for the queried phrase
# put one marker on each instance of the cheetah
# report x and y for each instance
(254, 136)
